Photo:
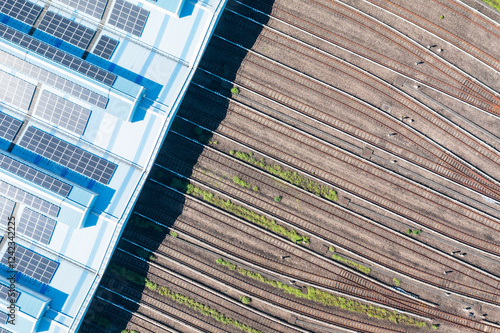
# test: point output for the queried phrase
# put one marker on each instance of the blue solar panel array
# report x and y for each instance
(9, 126)
(67, 30)
(94, 8)
(128, 17)
(36, 226)
(32, 264)
(21, 10)
(15, 91)
(56, 55)
(6, 208)
(6, 295)
(68, 155)
(3, 317)
(105, 47)
(35, 176)
(28, 199)
(62, 112)
(53, 80)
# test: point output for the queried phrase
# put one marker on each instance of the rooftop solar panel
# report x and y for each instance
(21, 10)
(128, 17)
(35, 176)
(36, 226)
(58, 56)
(9, 126)
(67, 30)
(6, 295)
(62, 112)
(16, 91)
(94, 8)
(3, 317)
(105, 47)
(68, 155)
(6, 208)
(28, 199)
(32, 264)
(53, 80)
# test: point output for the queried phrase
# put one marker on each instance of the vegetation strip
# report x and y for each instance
(348, 262)
(292, 177)
(179, 298)
(328, 299)
(493, 3)
(240, 211)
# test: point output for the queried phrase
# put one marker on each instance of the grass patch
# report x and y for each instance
(278, 198)
(255, 188)
(328, 299)
(331, 249)
(238, 181)
(235, 91)
(415, 232)
(181, 299)
(441, 17)
(129, 331)
(291, 177)
(352, 264)
(493, 3)
(174, 234)
(245, 300)
(396, 282)
(240, 211)
(145, 224)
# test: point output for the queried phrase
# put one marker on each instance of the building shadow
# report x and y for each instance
(161, 201)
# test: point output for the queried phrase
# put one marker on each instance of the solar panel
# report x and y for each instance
(57, 55)
(35, 176)
(21, 10)
(6, 208)
(3, 317)
(36, 226)
(28, 199)
(67, 30)
(128, 17)
(9, 126)
(6, 295)
(62, 112)
(16, 91)
(68, 155)
(105, 47)
(53, 80)
(94, 8)
(32, 264)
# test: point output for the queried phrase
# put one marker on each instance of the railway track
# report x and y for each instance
(149, 302)
(326, 150)
(439, 31)
(215, 158)
(208, 268)
(429, 156)
(333, 279)
(181, 259)
(208, 296)
(465, 88)
(329, 234)
(119, 315)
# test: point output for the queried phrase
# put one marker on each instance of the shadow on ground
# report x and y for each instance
(158, 205)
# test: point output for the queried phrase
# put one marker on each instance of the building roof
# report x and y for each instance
(88, 90)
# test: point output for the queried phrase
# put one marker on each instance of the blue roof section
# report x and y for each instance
(126, 125)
